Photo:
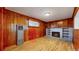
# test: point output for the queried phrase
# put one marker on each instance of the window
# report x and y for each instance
(34, 23)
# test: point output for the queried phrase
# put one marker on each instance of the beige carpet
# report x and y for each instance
(43, 44)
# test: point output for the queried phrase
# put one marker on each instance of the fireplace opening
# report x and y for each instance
(56, 34)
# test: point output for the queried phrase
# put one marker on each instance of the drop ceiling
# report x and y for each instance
(45, 13)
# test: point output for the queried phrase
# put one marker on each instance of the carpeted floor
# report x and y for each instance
(43, 44)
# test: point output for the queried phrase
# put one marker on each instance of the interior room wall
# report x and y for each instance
(11, 19)
(76, 30)
(1, 31)
(38, 31)
(61, 23)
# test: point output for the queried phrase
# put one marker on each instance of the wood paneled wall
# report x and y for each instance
(10, 18)
(1, 31)
(76, 32)
(76, 39)
(7, 19)
(61, 23)
(75, 11)
(39, 31)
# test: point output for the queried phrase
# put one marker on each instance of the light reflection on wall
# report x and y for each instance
(13, 27)
(76, 21)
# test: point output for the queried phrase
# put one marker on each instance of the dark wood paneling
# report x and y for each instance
(76, 39)
(70, 23)
(10, 18)
(9, 36)
(1, 36)
(76, 32)
(65, 23)
(75, 11)
(39, 31)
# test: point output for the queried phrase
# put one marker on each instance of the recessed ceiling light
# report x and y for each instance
(47, 14)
